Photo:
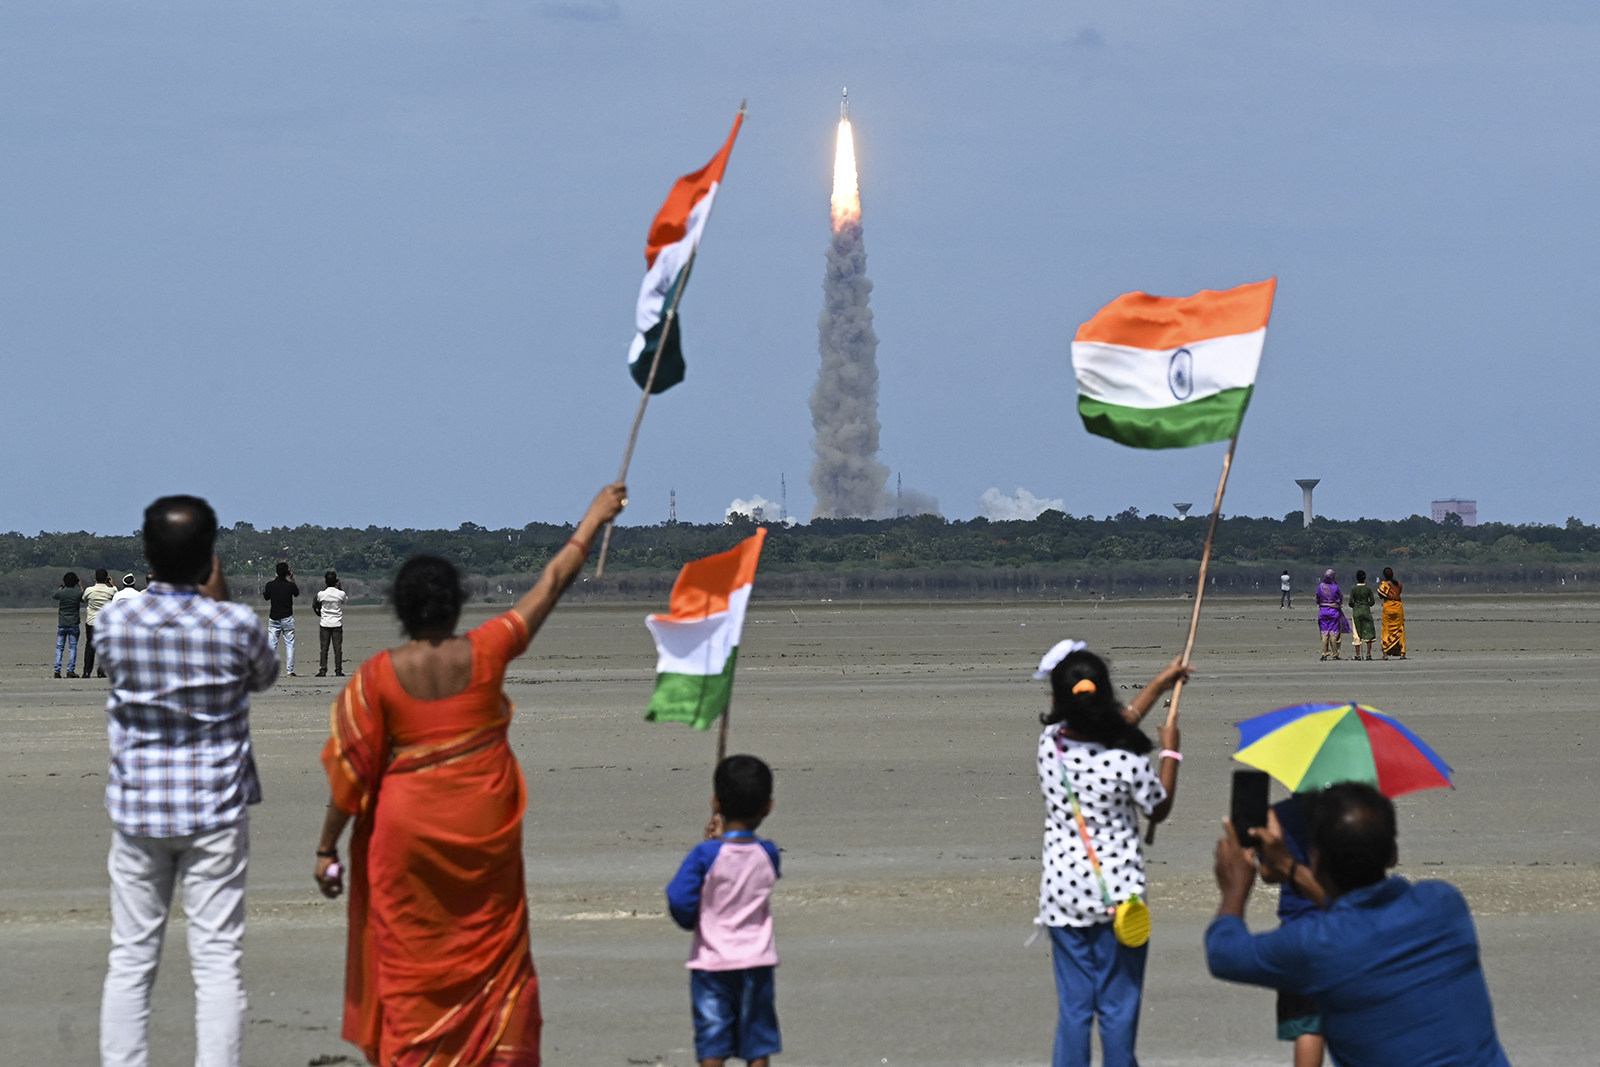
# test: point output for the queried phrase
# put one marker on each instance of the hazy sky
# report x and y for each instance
(375, 263)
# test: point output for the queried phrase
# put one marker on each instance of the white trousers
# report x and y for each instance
(211, 869)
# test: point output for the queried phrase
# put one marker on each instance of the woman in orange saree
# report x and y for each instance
(1394, 616)
(438, 971)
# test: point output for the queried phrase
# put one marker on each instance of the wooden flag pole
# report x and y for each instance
(722, 736)
(1199, 593)
(667, 322)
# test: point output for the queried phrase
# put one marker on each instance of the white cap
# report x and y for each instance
(1061, 651)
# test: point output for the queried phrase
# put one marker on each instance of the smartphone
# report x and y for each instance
(1249, 808)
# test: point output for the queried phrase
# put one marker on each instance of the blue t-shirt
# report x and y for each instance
(1393, 969)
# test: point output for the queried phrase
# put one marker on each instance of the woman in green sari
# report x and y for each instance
(1361, 600)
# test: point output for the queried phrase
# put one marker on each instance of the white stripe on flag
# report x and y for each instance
(699, 646)
(1152, 378)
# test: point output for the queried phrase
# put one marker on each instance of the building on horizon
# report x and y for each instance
(1467, 509)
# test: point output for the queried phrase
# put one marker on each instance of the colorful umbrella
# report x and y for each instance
(1311, 746)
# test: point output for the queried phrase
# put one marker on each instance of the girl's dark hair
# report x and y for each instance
(1092, 714)
(1361, 576)
(427, 594)
(1388, 572)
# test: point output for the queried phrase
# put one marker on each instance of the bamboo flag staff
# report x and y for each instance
(1170, 372)
(656, 357)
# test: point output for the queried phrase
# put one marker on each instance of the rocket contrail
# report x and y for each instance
(847, 478)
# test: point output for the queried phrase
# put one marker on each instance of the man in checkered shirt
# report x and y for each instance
(182, 660)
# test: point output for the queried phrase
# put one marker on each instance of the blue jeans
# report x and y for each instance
(734, 1014)
(67, 638)
(284, 626)
(1096, 976)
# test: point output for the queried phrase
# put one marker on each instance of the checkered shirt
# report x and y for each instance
(181, 667)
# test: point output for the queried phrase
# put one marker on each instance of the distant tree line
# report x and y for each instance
(923, 555)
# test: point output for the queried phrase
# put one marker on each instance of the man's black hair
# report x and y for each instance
(427, 595)
(743, 785)
(283, 569)
(102, 575)
(1353, 830)
(70, 578)
(179, 534)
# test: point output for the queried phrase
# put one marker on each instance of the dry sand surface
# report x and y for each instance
(902, 738)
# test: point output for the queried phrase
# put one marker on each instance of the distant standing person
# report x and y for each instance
(183, 660)
(1330, 602)
(329, 603)
(127, 589)
(97, 596)
(1394, 616)
(280, 593)
(1284, 600)
(68, 599)
(1361, 601)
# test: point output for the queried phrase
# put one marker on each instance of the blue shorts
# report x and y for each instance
(734, 1014)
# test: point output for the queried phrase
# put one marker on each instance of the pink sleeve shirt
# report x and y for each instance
(721, 892)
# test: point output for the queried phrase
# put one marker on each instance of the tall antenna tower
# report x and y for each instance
(672, 506)
(783, 498)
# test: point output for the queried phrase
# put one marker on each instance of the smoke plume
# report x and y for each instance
(846, 477)
(999, 507)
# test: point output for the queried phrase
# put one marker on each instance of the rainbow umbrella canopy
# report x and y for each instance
(1312, 746)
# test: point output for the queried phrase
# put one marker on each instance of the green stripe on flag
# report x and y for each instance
(671, 370)
(696, 699)
(1196, 422)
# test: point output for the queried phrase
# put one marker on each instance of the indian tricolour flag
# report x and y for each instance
(697, 642)
(668, 253)
(1168, 372)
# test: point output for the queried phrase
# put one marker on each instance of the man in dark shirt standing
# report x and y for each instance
(280, 593)
(68, 599)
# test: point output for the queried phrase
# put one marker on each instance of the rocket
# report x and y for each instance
(844, 105)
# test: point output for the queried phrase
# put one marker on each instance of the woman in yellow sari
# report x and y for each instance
(438, 970)
(1394, 616)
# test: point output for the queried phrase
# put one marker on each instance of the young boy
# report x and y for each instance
(721, 893)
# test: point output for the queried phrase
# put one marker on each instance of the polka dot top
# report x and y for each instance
(1110, 783)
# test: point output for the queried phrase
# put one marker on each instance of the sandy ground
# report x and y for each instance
(902, 739)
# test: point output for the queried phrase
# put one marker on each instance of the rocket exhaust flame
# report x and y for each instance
(846, 193)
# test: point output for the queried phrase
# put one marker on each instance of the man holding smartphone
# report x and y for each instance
(330, 623)
(183, 661)
(280, 594)
(1392, 966)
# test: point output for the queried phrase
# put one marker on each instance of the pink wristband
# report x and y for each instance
(1168, 753)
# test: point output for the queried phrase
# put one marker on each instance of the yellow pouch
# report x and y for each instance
(1132, 924)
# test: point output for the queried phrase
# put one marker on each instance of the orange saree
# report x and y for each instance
(438, 972)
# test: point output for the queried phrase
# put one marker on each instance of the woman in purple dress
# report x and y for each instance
(1330, 603)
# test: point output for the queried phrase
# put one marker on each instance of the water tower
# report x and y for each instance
(1306, 485)
(1183, 511)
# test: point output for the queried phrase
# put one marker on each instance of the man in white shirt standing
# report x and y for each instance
(1283, 590)
(330, 615)
(97, 596)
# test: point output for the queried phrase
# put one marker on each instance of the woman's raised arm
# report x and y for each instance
(536, 604)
